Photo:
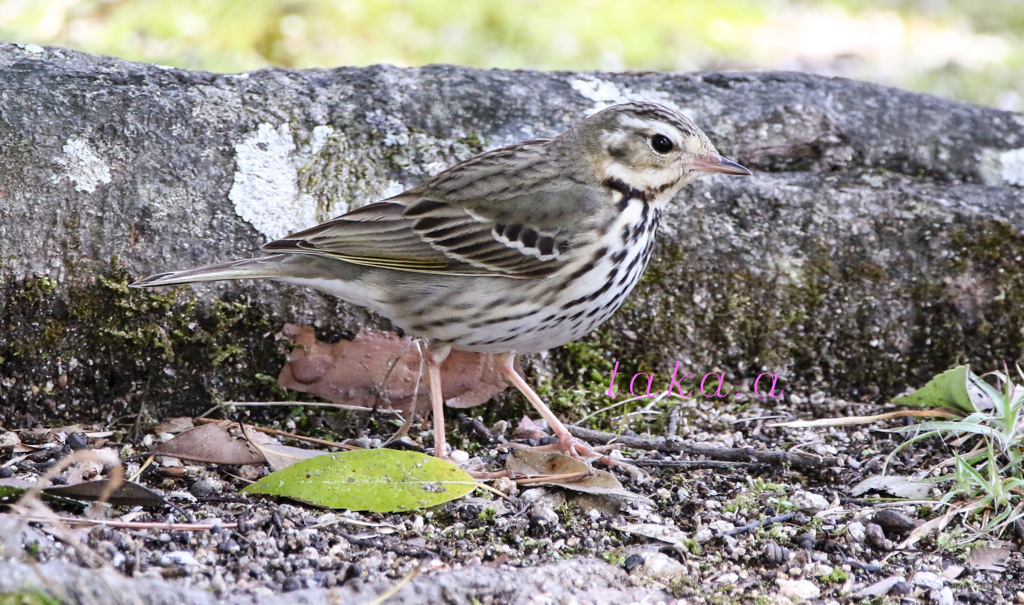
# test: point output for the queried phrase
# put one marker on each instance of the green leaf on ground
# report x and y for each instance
(379, 480)
(950, 389)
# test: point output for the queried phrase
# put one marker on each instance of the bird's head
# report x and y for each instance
(649, 148)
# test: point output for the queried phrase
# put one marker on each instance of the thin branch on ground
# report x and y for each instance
(732, 454)
(757, 523)
(285, 434)
(127, 524)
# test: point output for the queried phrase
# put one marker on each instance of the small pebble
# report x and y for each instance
(76, 441)
(809, 502)
(901, 588)
(929, 580)
(204, 488)
(807, 540)
(856, 531)
(543, 515)
(943, 597)
(663, 567)
(893, 522)
(798, 590)
(632, 562)
(178, 557)
(721, 526)
(875, 536)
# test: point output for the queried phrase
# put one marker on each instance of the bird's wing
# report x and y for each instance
(505, 213)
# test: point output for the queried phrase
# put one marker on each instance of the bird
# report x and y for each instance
(516, 250)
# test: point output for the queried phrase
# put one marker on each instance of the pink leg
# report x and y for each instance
(566, 442)
(436, 354)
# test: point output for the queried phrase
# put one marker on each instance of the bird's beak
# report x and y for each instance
(716, 163)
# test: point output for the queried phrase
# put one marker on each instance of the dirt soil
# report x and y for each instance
(734, 511)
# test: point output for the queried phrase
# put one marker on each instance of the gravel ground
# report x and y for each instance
(780, 525)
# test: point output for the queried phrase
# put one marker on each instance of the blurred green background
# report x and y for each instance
(966, 49)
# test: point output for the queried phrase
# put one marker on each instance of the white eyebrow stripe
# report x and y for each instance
(652, 126)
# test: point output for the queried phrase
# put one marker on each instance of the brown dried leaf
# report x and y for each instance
(553, 468)
(278, 455)
(988, 558)
(176, 425)
(380, 369)
(211, 443)
(126, 493)
(528, 429)
(879, 588)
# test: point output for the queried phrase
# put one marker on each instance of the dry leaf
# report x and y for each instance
(278, 455)
(988, 558)
(879, 588)
(528, 429)
(566, 472)
(211, 443)
(380, 369)
(953, 572)
(896, 485)
(126, 493)
(173, 426)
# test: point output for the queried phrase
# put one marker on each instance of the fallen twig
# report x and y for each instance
(720, 465)
(285, 434)
(127, 524)
(306, 404)
(743, 454)
(858, 420)
(757, 523)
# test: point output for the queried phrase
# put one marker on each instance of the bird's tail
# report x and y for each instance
(251, 268)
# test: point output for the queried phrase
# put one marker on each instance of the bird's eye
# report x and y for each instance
(661, 143)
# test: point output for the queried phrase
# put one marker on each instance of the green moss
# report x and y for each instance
(104, 350)
(838, 576)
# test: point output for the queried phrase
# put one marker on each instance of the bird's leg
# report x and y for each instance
(436, 354)
(411, 412)
(566, 442)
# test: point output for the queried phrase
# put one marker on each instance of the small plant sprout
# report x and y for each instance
(986, 438)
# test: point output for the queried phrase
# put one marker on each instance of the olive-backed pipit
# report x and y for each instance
(516, 250)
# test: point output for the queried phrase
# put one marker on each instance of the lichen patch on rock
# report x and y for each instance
(1003, 167)
(82, 166)
(266, 191)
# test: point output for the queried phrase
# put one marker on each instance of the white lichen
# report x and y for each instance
(266, 190)
(605, 94)
(82, 166)
(1003, 167)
